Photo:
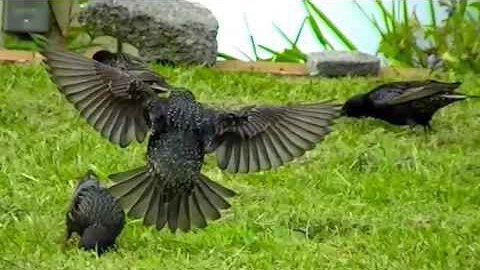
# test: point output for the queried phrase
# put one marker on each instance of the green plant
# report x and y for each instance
(452, 44)
(398, 30)
(315, 18)
(292, 54)
(457, 41)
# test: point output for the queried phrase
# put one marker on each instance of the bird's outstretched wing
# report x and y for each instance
(403, 92)
(111, 100)
(257, 139)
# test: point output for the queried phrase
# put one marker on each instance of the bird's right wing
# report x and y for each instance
(257, 139)
(110, 100)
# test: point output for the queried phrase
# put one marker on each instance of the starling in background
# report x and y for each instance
(404, 103)
(133, 65)
(95, 215)
(170, 187)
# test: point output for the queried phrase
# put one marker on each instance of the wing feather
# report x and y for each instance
(256, 139)
(110, 99)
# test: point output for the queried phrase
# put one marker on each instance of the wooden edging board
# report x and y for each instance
(19, 56)
(295, 69)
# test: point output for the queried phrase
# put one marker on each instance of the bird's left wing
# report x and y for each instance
(257, 139)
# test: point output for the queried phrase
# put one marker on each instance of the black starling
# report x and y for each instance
(134, 65)
(404, 103)
(94, 214)
(170, 187)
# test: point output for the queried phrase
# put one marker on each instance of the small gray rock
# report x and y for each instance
(168, 30)
(342, 63)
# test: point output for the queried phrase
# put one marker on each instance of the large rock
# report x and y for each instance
(342, 63)
(169, 30)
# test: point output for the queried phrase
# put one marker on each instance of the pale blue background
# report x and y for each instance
(288, 15)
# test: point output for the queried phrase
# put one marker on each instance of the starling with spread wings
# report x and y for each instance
(404, 103)
(170, 188)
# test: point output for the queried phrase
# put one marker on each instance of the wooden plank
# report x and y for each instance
(264, 67)
(19, 56)
(299, 69)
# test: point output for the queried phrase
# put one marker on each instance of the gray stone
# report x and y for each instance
(169, 30)
(342, 63)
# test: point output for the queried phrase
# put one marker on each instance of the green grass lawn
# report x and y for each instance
(371, 196)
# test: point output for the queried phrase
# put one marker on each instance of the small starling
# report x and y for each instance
(170, 188)
(404, 103)
(95, 215)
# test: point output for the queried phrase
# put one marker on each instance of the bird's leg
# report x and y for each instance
(66, 236)
(412, 125)
(427, 128)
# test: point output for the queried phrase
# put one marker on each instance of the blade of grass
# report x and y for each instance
(331, 26)
(432, 14)
(297, 38)
(285, 56)
(283, 35)
(318, 33)
(244, 54)
(463, 7)
(394, 17)
(40, 40)
(385, 15)
(371, 19)
(252, 40)
(405, 12)
(226, 56)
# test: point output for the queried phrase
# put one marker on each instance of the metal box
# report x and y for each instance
(25, 16)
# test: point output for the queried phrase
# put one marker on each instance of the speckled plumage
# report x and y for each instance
(404, 103)
(170, 188)
(94, 214)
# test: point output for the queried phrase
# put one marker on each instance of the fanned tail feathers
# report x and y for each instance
(141, 194)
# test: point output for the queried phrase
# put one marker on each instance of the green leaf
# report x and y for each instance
(246, 55)
(330, 25)
(475, 5)
(226, 56)
(287, 39)
(318, 33)
(288, 55)
(386, 16)
(371, 19)
(40, 40)
(405, 12)
(300, 31)
(252, 40)
(394, 17)
(433, 19)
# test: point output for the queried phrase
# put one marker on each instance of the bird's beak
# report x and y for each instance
(158, 88)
